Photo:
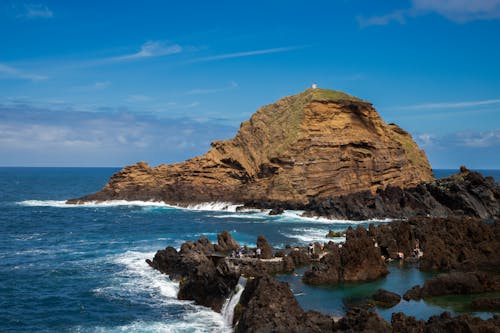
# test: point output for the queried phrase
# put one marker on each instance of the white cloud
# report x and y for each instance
(451, 105)
(14, 73)
(248, 53)
(34, 11)
(150, 49)
(473, 139)
(231, 86)
(459, 11)
(398, 16)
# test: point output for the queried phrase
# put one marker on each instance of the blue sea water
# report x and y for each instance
(82, 268)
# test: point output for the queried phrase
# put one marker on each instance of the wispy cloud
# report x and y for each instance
(96, 86)
(460, 139)
(14, 73)
(247, 53)
(451, 105)
(231, 86)
(150, 49)
(398, 16)
(31, 135)
(459, 11)
(35, 11)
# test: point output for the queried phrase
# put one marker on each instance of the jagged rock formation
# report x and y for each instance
(357, 260)
(465, 193)
(455, 283)
(463, 243)
(316, 144)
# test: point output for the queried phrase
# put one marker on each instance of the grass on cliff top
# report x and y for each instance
(332, 95)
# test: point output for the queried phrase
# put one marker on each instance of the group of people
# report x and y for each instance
(243, 252)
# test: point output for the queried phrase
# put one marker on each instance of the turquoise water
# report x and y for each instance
(82, 269)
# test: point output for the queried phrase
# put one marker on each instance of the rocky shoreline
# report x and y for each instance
(208, 273)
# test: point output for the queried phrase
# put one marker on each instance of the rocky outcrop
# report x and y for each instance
(204, 279)
(455, 243)
(357, 260)
(263, 245)
(467, 193)
(455, 283)
(316, 144)
(444, 323)
(206, 273)
(385, 298)
(226, 243)
(486, 304)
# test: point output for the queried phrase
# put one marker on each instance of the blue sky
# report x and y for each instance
(109, 83)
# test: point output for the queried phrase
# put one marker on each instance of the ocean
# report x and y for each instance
(82, 268)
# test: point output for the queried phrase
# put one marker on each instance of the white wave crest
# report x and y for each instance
(137, 278)
(93, 204)
(214, 206)
(311, 235)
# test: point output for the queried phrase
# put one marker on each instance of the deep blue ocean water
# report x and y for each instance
(82, 269)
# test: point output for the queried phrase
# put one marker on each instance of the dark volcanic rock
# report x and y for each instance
(267, 252)
(444, 323)
(414, 293)
(386, 298)
(466, 193)
(226, 243)
(455, 283)
(486, 304)
(268, 305)
(447, 243)
(357, 260)
(277, 211)
(360, 320)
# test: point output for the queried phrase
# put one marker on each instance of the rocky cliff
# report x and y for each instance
(316, 144)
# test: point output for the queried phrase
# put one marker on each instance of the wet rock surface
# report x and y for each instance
(455, 243)
(486, 304)
(455, 283)
(385, 298)
(357, 260)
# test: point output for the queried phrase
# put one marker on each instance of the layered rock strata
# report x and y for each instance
(316, 144)
(467, 193)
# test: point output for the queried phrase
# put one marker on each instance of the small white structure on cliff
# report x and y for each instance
(314, 85)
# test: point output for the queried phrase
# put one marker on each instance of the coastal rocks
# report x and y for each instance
(386, 299)
(357, 260)
(207, 275)
(486, 304)
(444, 244)
(226, 242)
(316, 144)
(444, 323)
(268, 305)
(466, 193)
(263, 245)
(455, 283)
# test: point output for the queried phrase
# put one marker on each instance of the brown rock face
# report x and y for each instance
(316, 144)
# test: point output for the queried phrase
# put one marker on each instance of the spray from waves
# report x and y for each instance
(208, 206)
(214, 206)
(137, 282)
(93, 204)
(233, 300)
(311, 235)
